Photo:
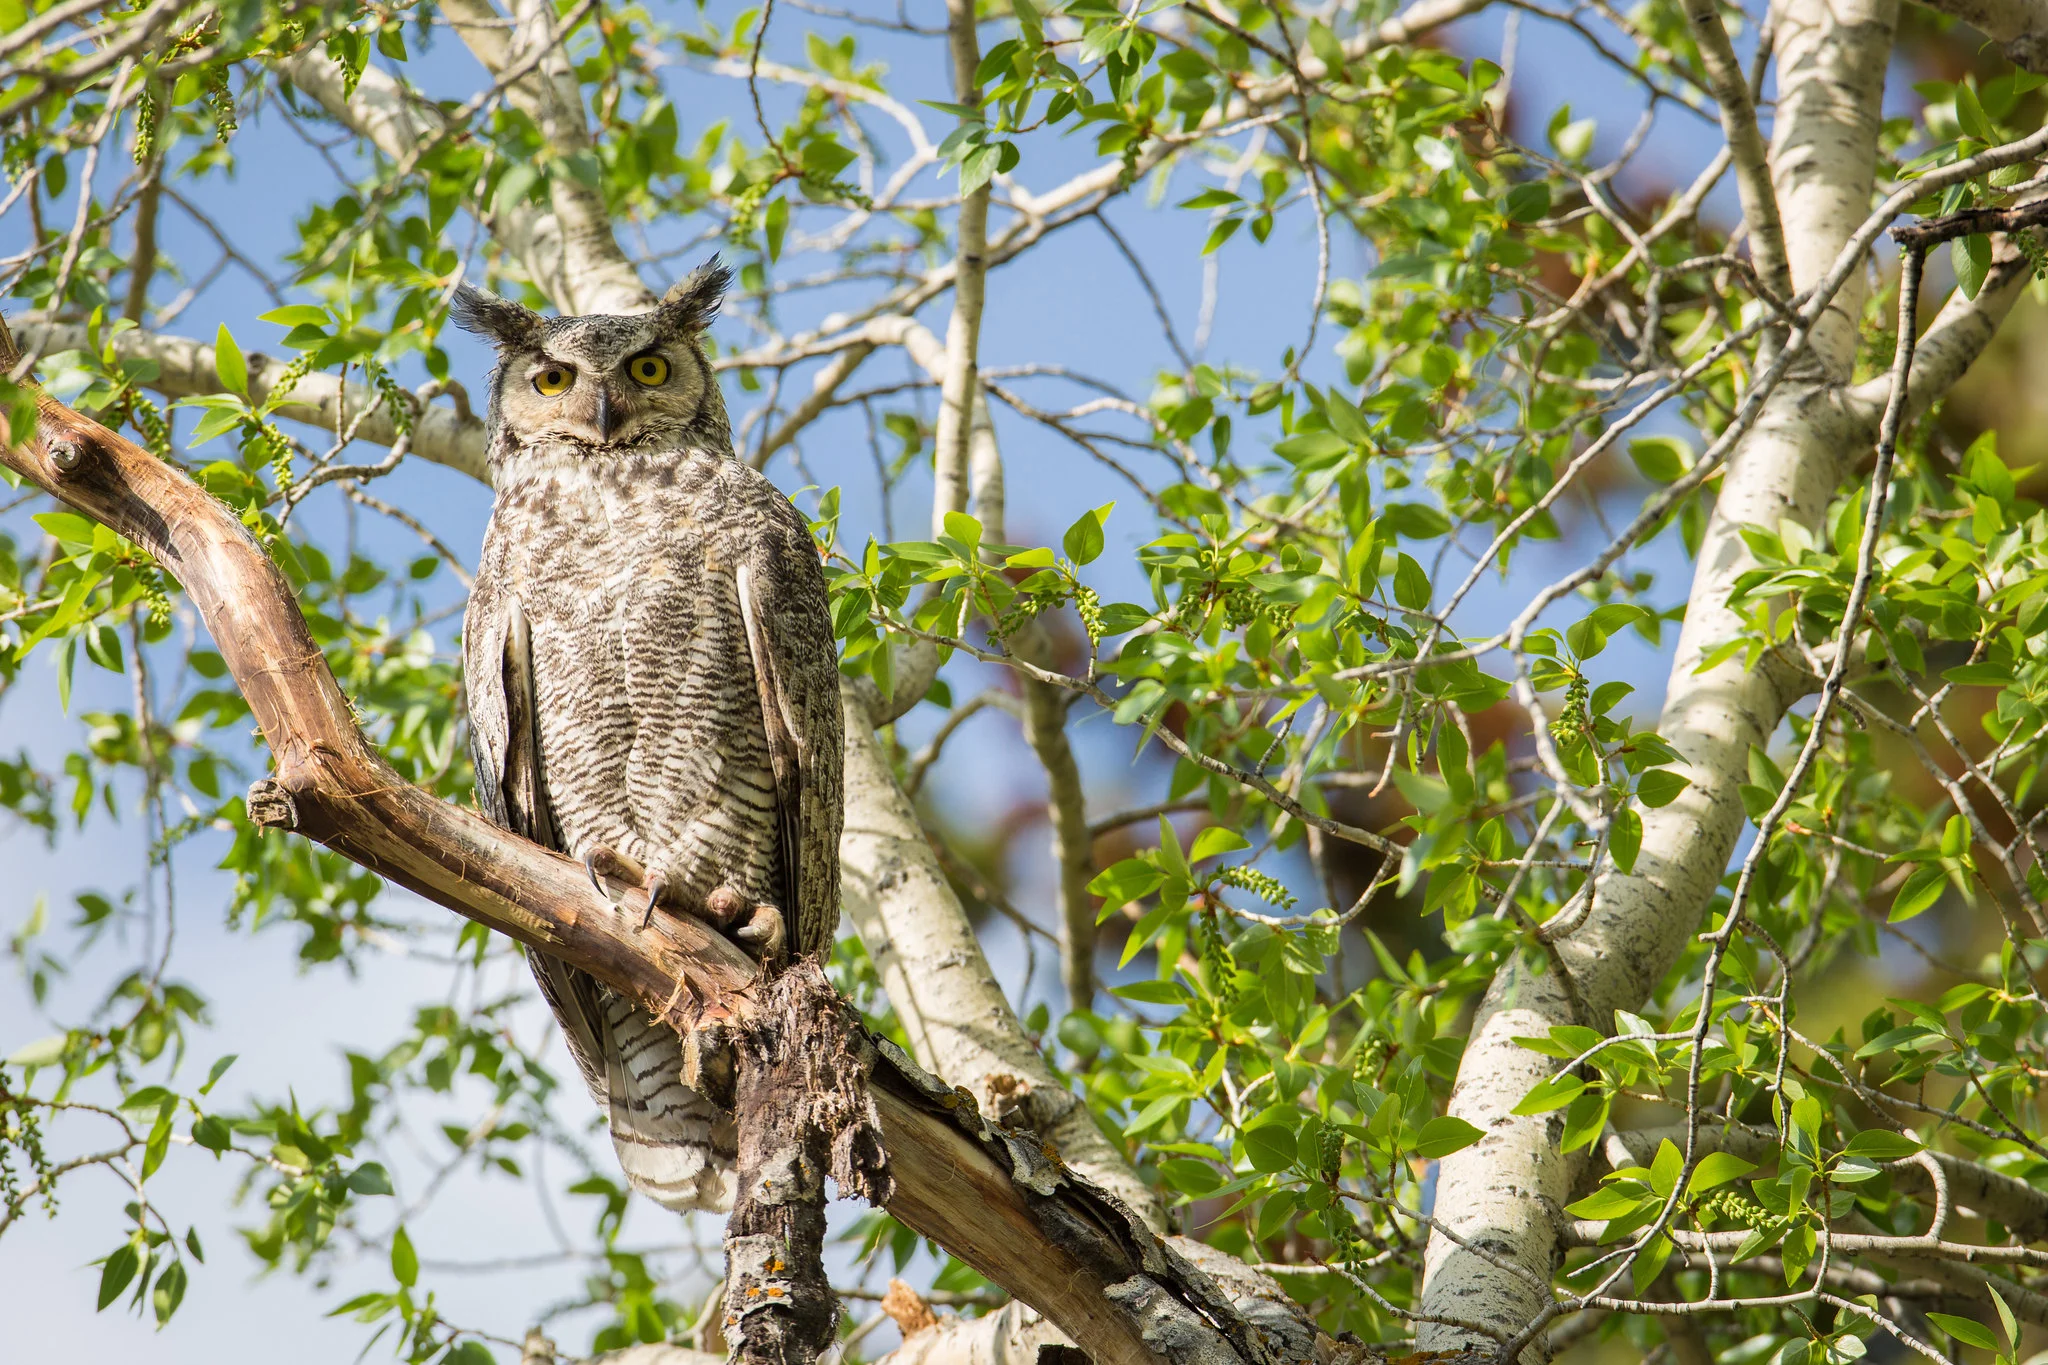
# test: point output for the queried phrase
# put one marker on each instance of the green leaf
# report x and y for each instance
(169, 1292)
(1920, 892)
(1554, 1092)
(1879, 1145)
(1311, 447)
(228, 362)
(43, 1052)
(1661, 459)
(1214, 840)
(1966, 1331)
(1659, 787)
(1971, 258)
(1270, 1147)
(212, 1132)
(369, 1178)
(1416, 520)
(1625, 838)
(1716, 1169)
(1411, 585)
(1083, 541)
(117, 1271)
(963, 528)
(296, 315)
(1610, 1201)
(2006, 1319)
(159, 1140)
(1664, 1168)
(1152, 992)
(219, 1069)
(1221, 233)
(1442, 1136)
(405, 1262)
(1527, 202)
(1970, 114)
(1324, 43)
(774, 223)
(1123, 882)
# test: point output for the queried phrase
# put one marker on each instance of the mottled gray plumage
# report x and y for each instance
(650, 670)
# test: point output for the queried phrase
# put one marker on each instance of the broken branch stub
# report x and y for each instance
(800, 1094)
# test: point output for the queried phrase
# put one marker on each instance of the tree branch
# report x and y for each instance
(186, 368)
(1745, 144)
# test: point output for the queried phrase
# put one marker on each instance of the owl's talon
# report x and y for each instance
(656, 884)
(590, 861)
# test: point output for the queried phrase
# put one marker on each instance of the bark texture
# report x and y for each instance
(800, 1093)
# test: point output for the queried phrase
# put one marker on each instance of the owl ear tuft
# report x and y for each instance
(499, 321)
(692, 302)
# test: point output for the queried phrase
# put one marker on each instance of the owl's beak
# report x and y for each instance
(607, 416)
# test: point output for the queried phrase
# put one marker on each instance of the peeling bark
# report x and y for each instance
(800, 1093)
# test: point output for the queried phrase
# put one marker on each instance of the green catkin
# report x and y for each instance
(280, 447)
(1258, 883)
(145, 124)
(222, 101)
(152, 580)
(1090, 608)
(396, 400)
(1217, 963)
(1576, 720)
(290, 375)
(21, 1130)
(2033, 244)
(1736, 1209)
(149, 420)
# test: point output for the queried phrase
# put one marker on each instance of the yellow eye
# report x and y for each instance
(648, 370)
(553, 380)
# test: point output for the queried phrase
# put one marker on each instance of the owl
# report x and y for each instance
(651, 679)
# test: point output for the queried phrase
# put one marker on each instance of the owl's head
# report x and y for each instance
(602, 383)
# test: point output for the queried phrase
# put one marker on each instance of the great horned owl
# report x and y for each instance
(649, 662)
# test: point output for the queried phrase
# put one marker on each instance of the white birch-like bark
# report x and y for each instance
(1506, 1194)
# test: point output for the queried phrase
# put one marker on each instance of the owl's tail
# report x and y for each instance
(673, 1145)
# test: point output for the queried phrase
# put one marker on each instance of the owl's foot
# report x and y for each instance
(761, 930)
(765, 932)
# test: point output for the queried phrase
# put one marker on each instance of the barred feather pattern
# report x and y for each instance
(621, 692)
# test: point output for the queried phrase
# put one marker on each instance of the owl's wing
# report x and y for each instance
(789, 636)
(505, 746)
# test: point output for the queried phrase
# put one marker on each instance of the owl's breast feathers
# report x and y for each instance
(685, 681)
